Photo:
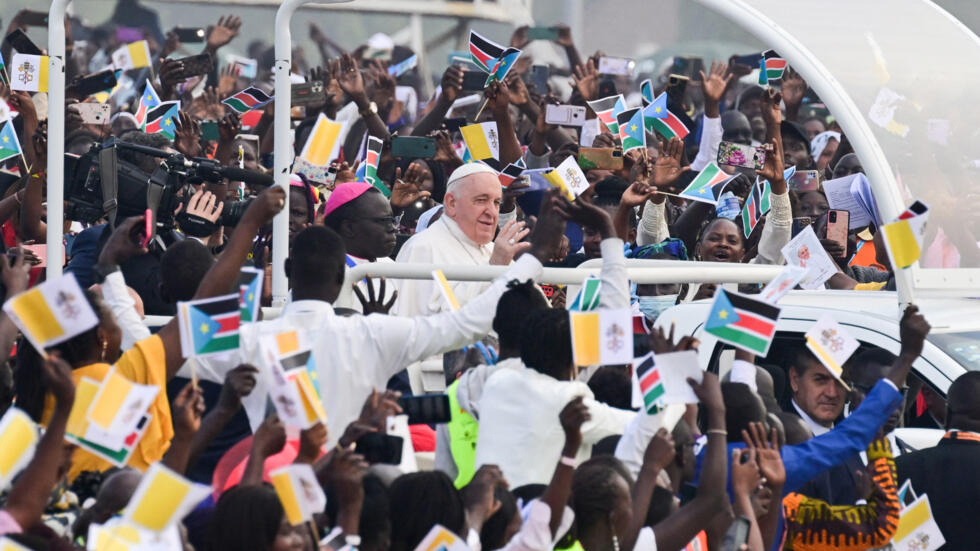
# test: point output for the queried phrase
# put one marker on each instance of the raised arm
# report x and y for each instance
(913, 330)
(352, 83)
(498, 95)
(615, 283)
(452, 87)
(29, 495)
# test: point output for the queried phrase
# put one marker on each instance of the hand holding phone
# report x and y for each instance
(542, 33)
(564, 115)
(736, 154)
(189, 35)
(193, 66)
(413, 147)
(837, 228)
(22, 43)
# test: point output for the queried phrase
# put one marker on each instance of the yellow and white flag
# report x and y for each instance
(447, 291)
(29, 73)
(120, 403)
(299, 492)
(482, 140)
(904, 236)
(18, 437)
(132, 56)
(163, 498)
(917, 529)
(569, 178)
(440, 538)
(831, 344)
(312, 406)
(7, 544)
(52, 312)
(602, 337)
(323, 143)
(585, 337)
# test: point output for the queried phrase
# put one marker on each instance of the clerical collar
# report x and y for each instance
(815, 427)
(457, 232)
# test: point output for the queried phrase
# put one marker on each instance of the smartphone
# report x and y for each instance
(427, 409)
(24, 45)
(676, 87)
(33, 18)
(805, 180)
(564, 115)
(209, 131)
(837, 221)
(752, 60)
(737, 534)
(616, 66)
(474, 80)
(40, 251)
(380, 448)
(149, 228)
(94, 83)
(689, 66)
(413, 147)
(308, 93)
(800, 224)
(453, 124)
(542, 33)
(194, 66)
(94, 113)
(601, 158)
(607, 88)
(537, 80)
(189, 35)
(736, 154)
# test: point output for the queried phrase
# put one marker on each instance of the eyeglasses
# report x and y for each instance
(385, 220)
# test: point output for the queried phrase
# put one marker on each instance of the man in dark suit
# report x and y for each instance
(948, 472)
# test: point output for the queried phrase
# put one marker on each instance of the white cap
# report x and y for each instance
(820, 141)
(467, 169)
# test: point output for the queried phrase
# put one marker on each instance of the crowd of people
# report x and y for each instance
(779, 452)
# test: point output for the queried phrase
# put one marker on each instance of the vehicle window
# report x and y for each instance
(963, 347)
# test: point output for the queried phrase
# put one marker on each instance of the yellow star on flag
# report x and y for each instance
(205, 328)
(149, 97)
(702, 190)
(657, 109)
(633, 128)
(166, 122)
(723, 314)
(6, 139)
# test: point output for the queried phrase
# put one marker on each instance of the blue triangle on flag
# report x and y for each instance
(203, 328)
(722, 312)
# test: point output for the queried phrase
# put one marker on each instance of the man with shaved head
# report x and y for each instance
(463, 235)
(948, 472)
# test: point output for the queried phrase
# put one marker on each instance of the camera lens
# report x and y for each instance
(833, 216)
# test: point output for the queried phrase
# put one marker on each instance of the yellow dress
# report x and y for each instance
(145, 364)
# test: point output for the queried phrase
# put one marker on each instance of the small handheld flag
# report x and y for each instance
(447, 291)
(250, 293)
(756, 206)
(248, 99)
(569, 178)
(742, 322)
(675, 369)
(483, 51)
(29, 73)
(120, 403)
(148, 100)
(607, 109)
(162, 119)
(708, 185)
(162, 498)
(18, 437)
(631, 130)
(917, 528)
(831, 344)
(783, 283)
(651, 387)
(587, 298)
(669, 127)
(602, 337)
(656, 109)
(299, 492)
(114, 448)
(482, 140)
(775, 66)
(209, 326)
(324, 141)
(132, 56)
(502, 65)
(646, 92)
(763, 75)
(512, 172)
(52, 312)
(403, 66)
(904, 236)
(372, 158)
(440, 538)
(9, 144)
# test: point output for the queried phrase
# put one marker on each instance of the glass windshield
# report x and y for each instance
(962, 347)
(915, 79)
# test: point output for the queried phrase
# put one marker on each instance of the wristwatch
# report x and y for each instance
(372, 108)
(102, 271)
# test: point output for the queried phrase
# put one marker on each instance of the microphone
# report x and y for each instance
(251, 178)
